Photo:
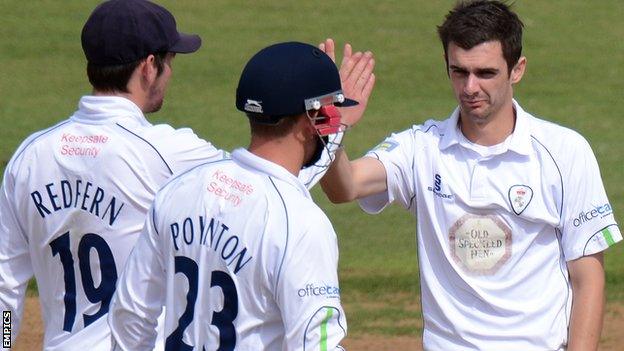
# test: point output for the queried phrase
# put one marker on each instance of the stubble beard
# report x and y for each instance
(479, 118)
(156, 99)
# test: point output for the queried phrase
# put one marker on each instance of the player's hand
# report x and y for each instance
(329, 48)
(356, 76)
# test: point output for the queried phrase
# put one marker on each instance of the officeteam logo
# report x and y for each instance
(597, 212)
(322, 290)
(6, 329)
(436, 189)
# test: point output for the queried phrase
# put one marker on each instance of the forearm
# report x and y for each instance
(587, 305)
(338, 182)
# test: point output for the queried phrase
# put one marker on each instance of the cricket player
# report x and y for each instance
(512, 215)
(74, 196)
(236, 250)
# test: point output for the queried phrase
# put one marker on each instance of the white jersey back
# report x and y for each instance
(242, 259)
(72, 206)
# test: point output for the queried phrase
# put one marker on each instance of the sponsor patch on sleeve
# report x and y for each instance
(602, 240)
(386, 145)
(324, 330)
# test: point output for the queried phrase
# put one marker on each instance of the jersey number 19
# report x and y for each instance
(101, 294)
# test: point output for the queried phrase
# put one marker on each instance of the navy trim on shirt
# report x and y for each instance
(596, 233)
(40, 135)
(562, 262)
(148, 143)
(305, 333)
(279, 271)
(558, 170)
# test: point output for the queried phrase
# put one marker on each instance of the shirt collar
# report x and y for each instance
(247, 159)
(98, 109)
(519, 141)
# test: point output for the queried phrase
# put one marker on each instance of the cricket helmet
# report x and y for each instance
(288, 79)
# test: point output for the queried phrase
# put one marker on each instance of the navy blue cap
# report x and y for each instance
(286, 79)
(124, 31)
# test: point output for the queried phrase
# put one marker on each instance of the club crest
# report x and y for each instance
(519, 197)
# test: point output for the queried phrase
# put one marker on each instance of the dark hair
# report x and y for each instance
(471, 23)
(115, 77)
(283, 126)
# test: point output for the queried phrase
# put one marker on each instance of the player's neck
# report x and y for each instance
(137, 99)
(492, 131)
(281, 151)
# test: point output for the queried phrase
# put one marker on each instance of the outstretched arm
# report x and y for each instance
(357, 79)
(587, 276)
(346, 180)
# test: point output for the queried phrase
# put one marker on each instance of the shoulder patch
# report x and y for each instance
(386, 145)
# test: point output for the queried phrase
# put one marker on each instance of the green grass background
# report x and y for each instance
(575, 51)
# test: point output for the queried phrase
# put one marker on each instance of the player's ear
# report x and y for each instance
(518, 71)
(310, 121)
(304, 126)
(148, 69)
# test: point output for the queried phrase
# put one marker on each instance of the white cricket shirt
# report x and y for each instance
(496, 226)
(72, 205)
(241, 258)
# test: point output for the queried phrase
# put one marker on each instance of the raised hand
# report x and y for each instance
(356, 76)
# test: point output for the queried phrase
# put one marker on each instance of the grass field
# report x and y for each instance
(574, 77)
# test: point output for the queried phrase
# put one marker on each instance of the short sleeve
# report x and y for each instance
(588, 225)
(308, 292)
(397, 154)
